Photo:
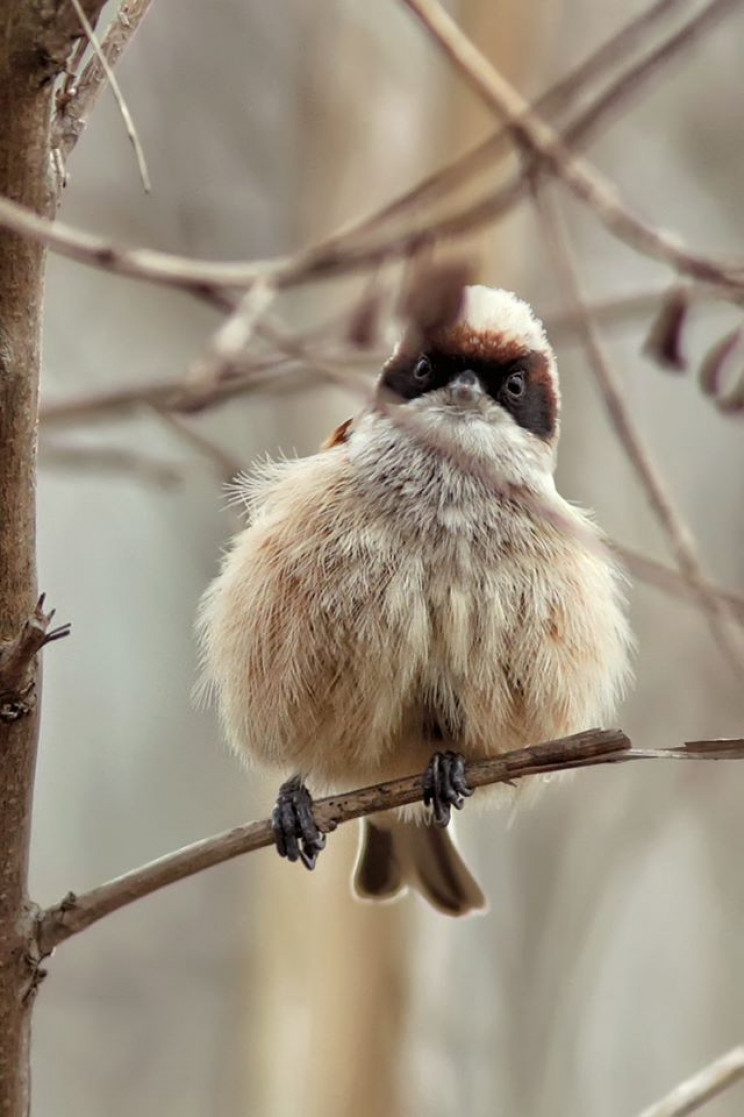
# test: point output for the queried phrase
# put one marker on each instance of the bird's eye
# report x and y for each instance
(422, 370)
(515, 385)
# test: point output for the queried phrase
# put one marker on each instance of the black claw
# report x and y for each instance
(457, 776)
(445, 786)
(296, 834)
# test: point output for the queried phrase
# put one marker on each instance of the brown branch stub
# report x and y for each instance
(17, 659)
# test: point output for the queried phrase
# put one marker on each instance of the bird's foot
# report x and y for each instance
(445, 785)
(296, 832)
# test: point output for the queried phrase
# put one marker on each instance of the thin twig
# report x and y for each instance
(595, 746)
(678, 532)
(227, 465)
(265, 374)
(109, 460)
(557, 98)
(173, 394)
(229, 341)
(208, 281)
(118, 95)
(78, 96)
(536, 138)
(672, 582)
(708, 1083)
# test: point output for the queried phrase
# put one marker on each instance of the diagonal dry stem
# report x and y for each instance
(118, 95)
(673, 523)
(534, 137)
(78, 96)
(708, 1083)
(337, 256)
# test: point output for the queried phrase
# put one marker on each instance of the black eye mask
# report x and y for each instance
(521, 386)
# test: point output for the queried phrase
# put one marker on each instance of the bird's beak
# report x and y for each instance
(466, 387)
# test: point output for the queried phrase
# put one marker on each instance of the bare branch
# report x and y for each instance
(118, 95)
(199, 277)
(226, 464)
(76, 101)
(229, 341)
(112, 460)
(336, 256)
(672, 582)
(595, 746)
(669, 516)
(706, 1084)
(554, 100)
(539, 140)
(267, 374)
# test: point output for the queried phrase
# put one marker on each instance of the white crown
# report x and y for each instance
(491, 308)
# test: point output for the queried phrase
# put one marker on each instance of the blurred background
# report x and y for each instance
(609, 965)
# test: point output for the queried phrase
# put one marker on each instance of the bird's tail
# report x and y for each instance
(394, 855)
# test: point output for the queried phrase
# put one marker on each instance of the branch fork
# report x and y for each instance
(17, 659)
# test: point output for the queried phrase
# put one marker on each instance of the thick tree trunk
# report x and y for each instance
(34, 40)
(24, 167)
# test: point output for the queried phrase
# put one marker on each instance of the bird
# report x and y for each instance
(417, 595)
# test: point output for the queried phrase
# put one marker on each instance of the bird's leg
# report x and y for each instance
(296, 833)
(445, 785)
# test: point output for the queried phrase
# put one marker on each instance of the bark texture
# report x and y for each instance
(34, 41)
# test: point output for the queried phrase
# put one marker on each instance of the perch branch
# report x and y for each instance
(595, 746)
(706, 1084)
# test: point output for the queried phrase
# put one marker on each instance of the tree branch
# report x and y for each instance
(553, 101)
(340, 254)
(537, 139)
(595, 746)
(111, 460)
(676, 529)
(122, 105)
(671, 582)
(75, 104)
(706, 1084)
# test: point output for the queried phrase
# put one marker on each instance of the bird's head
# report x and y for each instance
(488, 380)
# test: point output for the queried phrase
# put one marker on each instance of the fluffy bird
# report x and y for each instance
(417, 595)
